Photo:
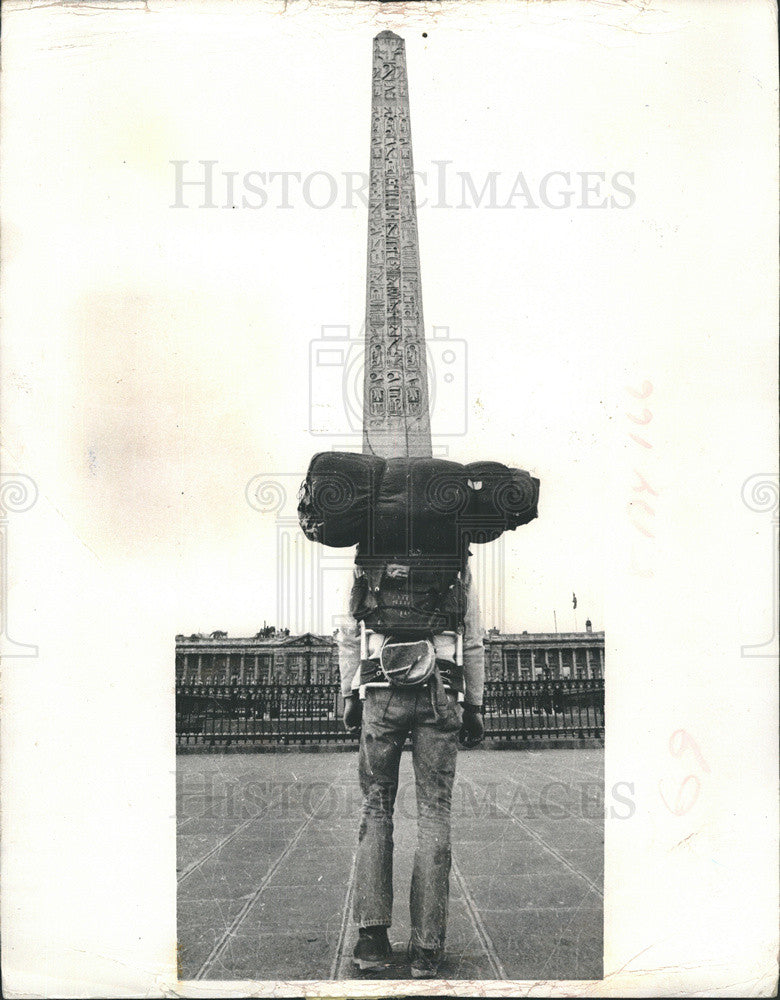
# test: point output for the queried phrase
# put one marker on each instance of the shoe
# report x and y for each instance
(372, 950)
(424, 961)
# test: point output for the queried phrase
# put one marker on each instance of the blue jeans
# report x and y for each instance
(389, 715)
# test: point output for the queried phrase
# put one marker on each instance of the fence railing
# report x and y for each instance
(222, 715)
(546, 708)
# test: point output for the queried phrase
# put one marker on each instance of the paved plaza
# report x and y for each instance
(266, 849)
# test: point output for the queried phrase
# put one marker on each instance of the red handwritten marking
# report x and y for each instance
(682, 804)
(640, 572)
(680, 741)
(644, 392)
(644, 486)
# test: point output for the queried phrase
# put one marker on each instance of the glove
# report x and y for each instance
(472, 730)
(353, 712)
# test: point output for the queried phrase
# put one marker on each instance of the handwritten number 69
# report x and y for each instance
(688, 793)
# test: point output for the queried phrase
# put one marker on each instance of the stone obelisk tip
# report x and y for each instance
(396, 421)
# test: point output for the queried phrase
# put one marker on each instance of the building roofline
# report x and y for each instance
(524, 636)
(288, 641)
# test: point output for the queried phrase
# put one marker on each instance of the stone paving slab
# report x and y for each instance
(550, 941)
(201, 925)
(266, 848)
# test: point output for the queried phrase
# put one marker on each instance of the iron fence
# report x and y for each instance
(226, 715)
(517, 710)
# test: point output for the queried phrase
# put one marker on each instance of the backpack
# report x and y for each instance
(403, 507)
(413, 599)
(412, 520)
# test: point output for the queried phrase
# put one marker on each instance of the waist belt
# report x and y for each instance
(447, 673)
(451, 674)
(371, 675)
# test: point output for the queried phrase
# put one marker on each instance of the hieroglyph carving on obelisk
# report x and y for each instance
(396, 419)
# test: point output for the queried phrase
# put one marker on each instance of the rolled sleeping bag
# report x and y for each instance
(335, 499)
(417, 506)
(390, 507)
(502, 499)
(411, 506)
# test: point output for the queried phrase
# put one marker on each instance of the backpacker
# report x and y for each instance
(413, 599)
(412, 520)
(411, 619)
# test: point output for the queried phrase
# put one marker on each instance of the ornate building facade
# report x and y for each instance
(276, 657)
(544, 655)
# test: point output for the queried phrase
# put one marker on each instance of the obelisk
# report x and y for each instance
(396, 420)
